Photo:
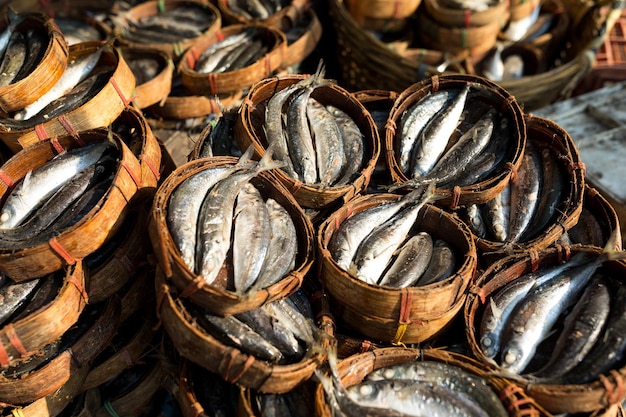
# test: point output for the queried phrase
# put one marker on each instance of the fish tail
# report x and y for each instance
(246, 158)
(268, 162)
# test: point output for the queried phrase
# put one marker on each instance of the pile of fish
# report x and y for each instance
(21, 51)
(527, 204)
(220, 140)
(418, 389)
(82, 79)
(219, 217)
(473, 5)
(256, 9)
(233, 52)
(380, 245)
(319, 145)
(425, 151)
(280, 332)
(172, 25)
(57, 194)
(77, 30)
(562, 324)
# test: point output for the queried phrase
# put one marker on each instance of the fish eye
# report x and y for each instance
(510, 356)
(5, 217)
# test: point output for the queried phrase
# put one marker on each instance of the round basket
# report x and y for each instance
(236, 80)
(155, 7)
(597, 222)
(520, 9)
(138, 293)
(99, 111)
(234, 366)
(290, 11)
(298, 50)
(354, 369)
(186, 106)
(571, 398)
(50, 377)
(447, 16)
(24, 337)
(90, 232)
(491, 95)
(249, 131)
(202, 140)
(216, 298)
(546, 134)
(154, 90)
(80, 10)
(382, 15)
(17, 95)
(407, 315)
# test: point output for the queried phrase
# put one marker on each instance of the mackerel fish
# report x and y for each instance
(410, 262)
(441, 266)
(329, 149)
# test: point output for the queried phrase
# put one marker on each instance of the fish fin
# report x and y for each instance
(268, 162)
(246, 158)
(497, 312)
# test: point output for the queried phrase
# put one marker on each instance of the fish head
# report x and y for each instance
(8, 213)
(513, 359)
(488, 345)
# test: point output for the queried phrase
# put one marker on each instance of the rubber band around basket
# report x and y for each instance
(151, 165)
(119, 91)
(14, 339)
(41, 133)
(67, 125)
(246, 365)
(212, 78)
(219, 35)
(56, 246)
(467, 15)
(136, 179)
(80, 287)
(4, 177)
(109, 408)
(456, 197)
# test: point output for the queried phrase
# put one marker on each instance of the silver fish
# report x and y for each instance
(13, 58)
(442, 264)
(251, 237)
(300, 142)
(42, 182)
(329, 150)
(410, 263)
(302, 327)
(353, 145)
(516, 29)
(434, 138)
(474, 218)
(282, 249)
(496, 214)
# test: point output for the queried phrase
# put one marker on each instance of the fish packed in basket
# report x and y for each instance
(267, 12)
(554, 325)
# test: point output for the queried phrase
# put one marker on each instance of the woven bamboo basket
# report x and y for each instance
(498, 12)
(54, 374)
(83, 405)
(186, 106)
(24, 337)
(354, 369)
(301, 398)
(154, 7)
(236, 80)
(125, 350)
(157, 89)
(120, 257)
(249, 131)
(474, 40)
(82, 10)
(572, 398)
(90, 232)
(301, 48)
(544, 133)
(494, 96)
(521, 8)
(234, 366)
(201, 139)
(382, 15)
(99, 111)
(138, 293)
(407, 315)
(17, 95)
(290, 11)
(134, 130)
(214, 297)
(597, 222)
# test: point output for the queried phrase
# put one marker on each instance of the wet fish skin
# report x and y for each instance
(46, 179)
(434, 138)
(496, 214)
(410, 262)
(37, 43)
(329, 150)
(282, 249)
(450, 376)
(300, 141)
(474, 219)
(301, 326)
(353, 145)
(251, 237)
(14, 58)
(581, 330)
(442, 264)
(13, 295)
(587, 230)
(516, 29)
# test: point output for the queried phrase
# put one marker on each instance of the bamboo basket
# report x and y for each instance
(290, 11)
(138, 293)
(382, 15)
(544, 133)
(490, 94)
(473, 40)
(154, 7)
(354, 369)
(236, 80)
(89, 233)
(18, 95)
(234, 366)
(521, 8)
(249, 131)
(186, 106)
(83, 405)
(126, 349)
(466, 17)
(572, 398)
(300, 49)
(407, 315)
(100, 110)
(120, 256)
(604, 220)
(24, 337)
(213, 297)
(82, 10)
(158, 88)
(54, 374)
(201, 139)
